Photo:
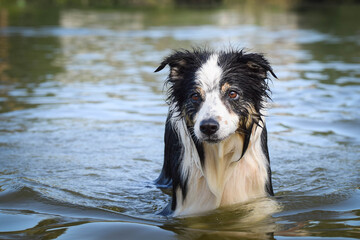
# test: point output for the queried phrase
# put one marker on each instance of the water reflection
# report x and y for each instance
(249, 220)
(24, 64)
(82, 115)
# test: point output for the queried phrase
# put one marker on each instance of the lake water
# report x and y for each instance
(82, 121)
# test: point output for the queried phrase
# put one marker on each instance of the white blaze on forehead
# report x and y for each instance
(208, 76)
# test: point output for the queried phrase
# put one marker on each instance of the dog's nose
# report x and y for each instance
(209, 126)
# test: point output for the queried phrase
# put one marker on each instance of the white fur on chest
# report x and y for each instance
(223, 179)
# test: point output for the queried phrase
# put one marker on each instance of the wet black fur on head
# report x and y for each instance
(247, 71)
(181, 80)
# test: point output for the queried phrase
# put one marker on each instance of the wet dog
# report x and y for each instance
(216, 151)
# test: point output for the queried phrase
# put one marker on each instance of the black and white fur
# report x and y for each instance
(216, 151)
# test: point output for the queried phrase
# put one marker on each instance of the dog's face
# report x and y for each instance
(218, 94)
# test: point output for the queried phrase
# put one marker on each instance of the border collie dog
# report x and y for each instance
(216, 151)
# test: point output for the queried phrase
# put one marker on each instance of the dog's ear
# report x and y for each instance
(178, 62)
(162, 65)
(257, 64)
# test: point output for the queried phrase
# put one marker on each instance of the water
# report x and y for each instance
(82, 119)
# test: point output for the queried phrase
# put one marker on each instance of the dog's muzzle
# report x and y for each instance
(209, 127)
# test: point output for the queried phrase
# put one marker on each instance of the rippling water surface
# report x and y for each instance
(82, 120)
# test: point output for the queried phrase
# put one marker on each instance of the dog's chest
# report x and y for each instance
(225, 179)
(221, 161)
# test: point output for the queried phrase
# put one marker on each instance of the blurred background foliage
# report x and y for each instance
(29, 12)
(161, 4)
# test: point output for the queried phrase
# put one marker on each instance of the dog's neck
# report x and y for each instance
(223, 178)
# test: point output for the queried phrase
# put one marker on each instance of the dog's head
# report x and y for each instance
(217, 93)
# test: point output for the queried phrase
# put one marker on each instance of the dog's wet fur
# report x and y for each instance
(216, 151)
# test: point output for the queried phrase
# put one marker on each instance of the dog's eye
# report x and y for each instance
(233, 94)
(195, 97)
